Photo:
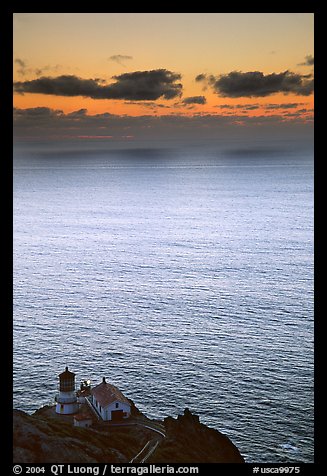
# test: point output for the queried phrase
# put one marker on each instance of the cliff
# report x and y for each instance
(48, 438)
(189, 441)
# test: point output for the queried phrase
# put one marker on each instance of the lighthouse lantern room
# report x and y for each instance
(66, 399)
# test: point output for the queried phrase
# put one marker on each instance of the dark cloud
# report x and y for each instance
(146, 85)
(20, 62)
(40, 71)
(35, 118)
(309, 61)
(120, 59)
(22, 66)
(257, 84)
(135, 86)
(24, 69)
(194, 100)
(149, 104)
(299, 113)
(78, 114)
(36, 112)
(225, 106)
(247, 107)
(269, 106)
(289, 105)
(200, 77)
(250, 107)
(66, 85)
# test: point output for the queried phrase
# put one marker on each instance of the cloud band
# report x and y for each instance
(256, 84)
(135, 86)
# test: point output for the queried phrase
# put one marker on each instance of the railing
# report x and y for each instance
(92, 408)
(153, 428)
(61, 399)
(152, 450)
(133, 460)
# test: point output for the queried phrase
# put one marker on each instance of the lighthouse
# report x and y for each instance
(66, 399)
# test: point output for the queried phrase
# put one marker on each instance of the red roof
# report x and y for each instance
(66, 374)
(105, 394)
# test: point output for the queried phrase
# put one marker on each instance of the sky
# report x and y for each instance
(134, 77)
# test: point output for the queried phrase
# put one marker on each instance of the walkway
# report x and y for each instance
(150, 447)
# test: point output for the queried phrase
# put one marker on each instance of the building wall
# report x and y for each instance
(66, 408)
(83, 423)
(66, 397)
(66, 403)
(105, 413)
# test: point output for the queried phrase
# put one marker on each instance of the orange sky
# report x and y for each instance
(70, 104)
(91, 46)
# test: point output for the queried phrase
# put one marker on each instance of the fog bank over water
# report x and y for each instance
(235, 147)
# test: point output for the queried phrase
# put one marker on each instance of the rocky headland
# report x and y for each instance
(46, 437)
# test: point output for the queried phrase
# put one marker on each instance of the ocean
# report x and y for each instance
(184, 276)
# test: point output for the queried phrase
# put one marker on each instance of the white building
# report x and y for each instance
(109, 402)
(82, 420)
(66, 399)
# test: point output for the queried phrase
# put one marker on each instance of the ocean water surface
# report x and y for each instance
(183, 276)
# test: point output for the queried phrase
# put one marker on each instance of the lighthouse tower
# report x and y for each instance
(66, 399)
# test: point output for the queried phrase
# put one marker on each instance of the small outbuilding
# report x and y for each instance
(109, 402)
(82, 420)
